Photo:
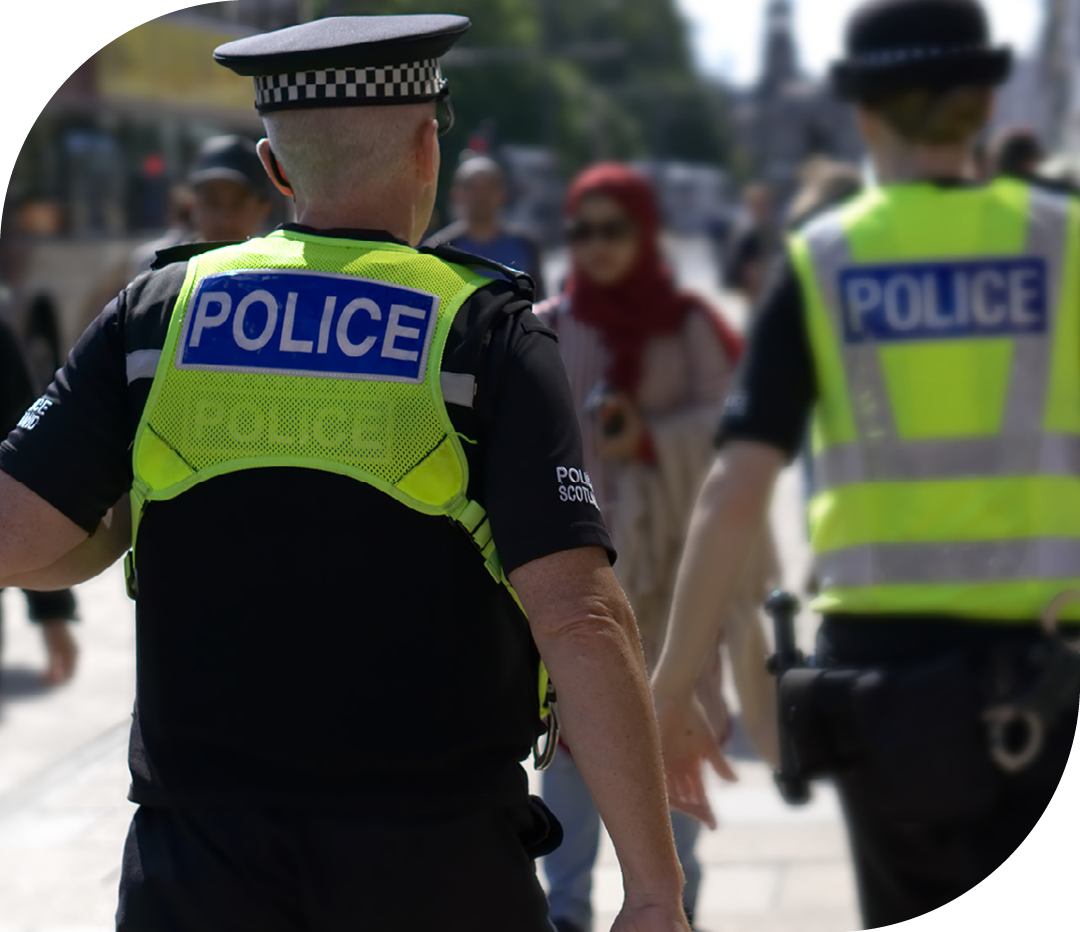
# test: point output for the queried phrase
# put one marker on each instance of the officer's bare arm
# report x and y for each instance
(728, 519)
(586, 633)
(42, 549)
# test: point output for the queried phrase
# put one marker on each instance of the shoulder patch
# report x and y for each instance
(522, 283)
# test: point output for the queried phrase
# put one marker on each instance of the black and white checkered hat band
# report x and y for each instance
(889, 57)
(414, 83)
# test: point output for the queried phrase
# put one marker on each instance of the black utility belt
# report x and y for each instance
(936, 737)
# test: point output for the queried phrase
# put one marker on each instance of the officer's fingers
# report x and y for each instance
(696, 806)
(720, 764)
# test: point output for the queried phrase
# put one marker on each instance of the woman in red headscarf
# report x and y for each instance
(649, 365)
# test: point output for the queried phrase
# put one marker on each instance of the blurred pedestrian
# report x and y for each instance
(362, 540)
(649, 366)
(928, 327)
(53, 611)
(227, 200)
(1017, 152)
(479, 194)
(753, 243)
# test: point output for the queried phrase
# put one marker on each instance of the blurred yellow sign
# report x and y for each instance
(170, 61)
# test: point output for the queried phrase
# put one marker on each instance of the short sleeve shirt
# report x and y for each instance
(303, 636)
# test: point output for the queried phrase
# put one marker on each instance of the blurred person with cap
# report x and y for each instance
(928, 327)
(479, 194)
(227, 200)
(359, 521)
(753, 243)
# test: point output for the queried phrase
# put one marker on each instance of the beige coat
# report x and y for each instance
(647, 507)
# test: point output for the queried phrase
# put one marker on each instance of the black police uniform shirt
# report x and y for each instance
(302, 637)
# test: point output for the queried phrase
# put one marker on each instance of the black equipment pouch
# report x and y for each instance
(910, 736)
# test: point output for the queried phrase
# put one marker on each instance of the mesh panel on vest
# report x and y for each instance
(223, 421)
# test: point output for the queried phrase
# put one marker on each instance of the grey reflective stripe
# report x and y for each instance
(142, 364)
(458, 388)
(830, 253)
(1020, 449)
(1048, 232)
(952, 563)
(913, 460)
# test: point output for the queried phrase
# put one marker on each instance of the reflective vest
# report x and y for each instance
(304, 351)
(945, 334)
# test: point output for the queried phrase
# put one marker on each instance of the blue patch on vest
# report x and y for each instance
(318, 324)
(953, 300)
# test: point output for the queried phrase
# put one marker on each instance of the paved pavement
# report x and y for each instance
(63, 779)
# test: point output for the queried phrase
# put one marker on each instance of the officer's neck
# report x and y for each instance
(402, 221)
(898, 163)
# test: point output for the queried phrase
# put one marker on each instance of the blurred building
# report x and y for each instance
(787, 117)
(98, 169)
(1044, 91)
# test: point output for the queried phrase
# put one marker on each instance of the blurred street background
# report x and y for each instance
(709, 101)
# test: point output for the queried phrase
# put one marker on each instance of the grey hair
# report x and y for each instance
(331, 153)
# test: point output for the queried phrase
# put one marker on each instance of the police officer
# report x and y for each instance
(929, 327)
(345, 459)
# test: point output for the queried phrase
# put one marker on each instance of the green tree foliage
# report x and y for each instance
(592, 79)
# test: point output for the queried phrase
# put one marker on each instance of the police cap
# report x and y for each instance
(347, 61)
(897, 45)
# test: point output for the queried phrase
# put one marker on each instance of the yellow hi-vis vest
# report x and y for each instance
(945, 335)
(298, 350)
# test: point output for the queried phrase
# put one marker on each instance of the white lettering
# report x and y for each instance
(288, 344)
(988, 301)
(575, 475)
(1023, 292)
(203, 320)
(931, 302)
(324, 324)
(242, 339)
(561, 473)
(864, 295)
(364, 346)
(903, 314)
(962, 298)
(395, 330)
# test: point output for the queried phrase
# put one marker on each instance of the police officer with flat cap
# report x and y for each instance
(354, 473)
(928, 328)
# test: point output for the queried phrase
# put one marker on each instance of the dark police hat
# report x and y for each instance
(230, 158)
(347, 61)
(897, 45)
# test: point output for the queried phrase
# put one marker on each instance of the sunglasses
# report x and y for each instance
(610, 231)
(444, 115)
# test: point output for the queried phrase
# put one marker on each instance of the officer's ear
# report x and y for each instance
(428, 154)
(273, 168)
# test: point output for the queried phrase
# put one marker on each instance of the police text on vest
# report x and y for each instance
(319, 324)
(935, 301)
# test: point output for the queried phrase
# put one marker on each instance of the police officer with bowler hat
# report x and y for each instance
(350, 551)
(929, 329)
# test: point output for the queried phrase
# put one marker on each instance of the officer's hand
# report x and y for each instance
(688, 739)
(651, 919)
(61, 649)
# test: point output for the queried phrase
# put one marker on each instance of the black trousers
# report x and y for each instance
(263, 870)
(908, 867)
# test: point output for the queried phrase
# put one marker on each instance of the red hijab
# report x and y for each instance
(645, 304)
